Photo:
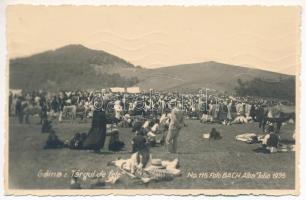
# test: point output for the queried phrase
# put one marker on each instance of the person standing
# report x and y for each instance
(118, 111)
(176, 123)
(19, 109)
(97, 133)
(61, 101)
(54, 105)
(229, 111)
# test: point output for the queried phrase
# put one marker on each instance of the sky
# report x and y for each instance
(251, 36)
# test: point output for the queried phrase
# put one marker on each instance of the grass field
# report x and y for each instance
(196, 155)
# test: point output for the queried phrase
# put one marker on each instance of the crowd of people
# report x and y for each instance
(155, 118)
(72, 104)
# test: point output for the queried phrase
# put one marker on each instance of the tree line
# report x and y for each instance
(67, 76)
(282, 89)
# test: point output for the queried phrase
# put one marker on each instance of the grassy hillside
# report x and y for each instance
(72, 66)
(215, 75)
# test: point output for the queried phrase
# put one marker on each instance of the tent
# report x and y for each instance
(17, 92)
(117, 89)
(133, 90)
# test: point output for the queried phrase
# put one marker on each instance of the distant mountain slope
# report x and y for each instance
(214, 75)
(75, 66)
(72, 66)
(74, 54)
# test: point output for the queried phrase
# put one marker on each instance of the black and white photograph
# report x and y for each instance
(156, 100)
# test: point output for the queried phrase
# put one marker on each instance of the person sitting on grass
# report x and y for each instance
(115, 144)
(140, 158)
(53, 142)
(206, 118)
(141, 165)
(77, 141)
(154, 135)
(271, 140)
(240, 119)
(214, 135)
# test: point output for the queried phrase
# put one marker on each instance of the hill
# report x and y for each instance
(72, 66)
(74, 54)
(219, 76)
(75, 66)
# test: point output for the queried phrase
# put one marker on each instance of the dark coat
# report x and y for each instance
(97, 133)
(115, 145)
(273, 140)
(139, 143)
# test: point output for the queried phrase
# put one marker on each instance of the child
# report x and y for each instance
(53, 142)
(115, 144)
(214, 134)
(138, 142)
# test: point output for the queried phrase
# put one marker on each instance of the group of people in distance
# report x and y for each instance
(155, 118)
(79, 104)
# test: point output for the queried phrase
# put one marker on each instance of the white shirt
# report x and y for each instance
(118, 110)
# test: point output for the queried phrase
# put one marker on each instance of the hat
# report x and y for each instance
(156, 164)
(114, 132)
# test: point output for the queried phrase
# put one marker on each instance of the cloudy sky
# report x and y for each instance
(259, 37)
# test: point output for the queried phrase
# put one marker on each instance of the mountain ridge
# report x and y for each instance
(74, 53)
(79, 63)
